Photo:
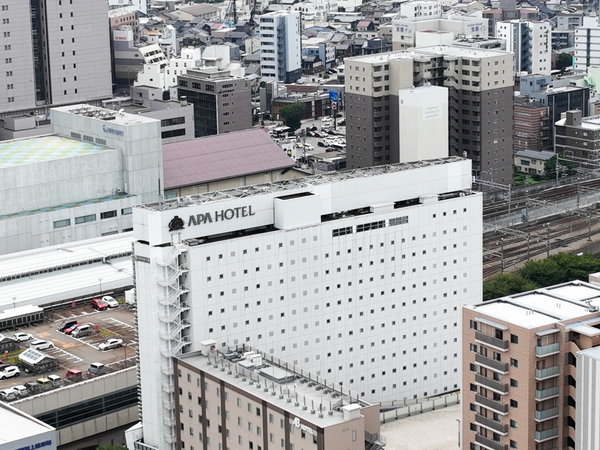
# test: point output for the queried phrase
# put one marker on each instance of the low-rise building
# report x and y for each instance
(532, 162)
(520, 367)
(22, 431)
(261, 402)
(578, 139)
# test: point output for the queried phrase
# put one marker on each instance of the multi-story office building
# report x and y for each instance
(530, 43)
(578, 139)
(519, 367)
(262, 402)
(356, 276)
(80, 182)
(53, 53)
(280, 46)
(587, 433)
(480, 98)
(587, 43)
(221, 101)
(530, 125)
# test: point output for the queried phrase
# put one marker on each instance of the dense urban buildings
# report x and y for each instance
(587, 43)
(221, 100)
(280, 46)
(480, 99)
(265, 403)
(335, 273)
(54, 53)
(519, 367)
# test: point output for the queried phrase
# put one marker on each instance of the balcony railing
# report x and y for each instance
(548, 372)
(495, 385)
(546, 393)
(489, 443)
(494, 425)
(546, 434)
(546, 414)
(492, 404)
(543, 350)
(499, 343)
(491, 363)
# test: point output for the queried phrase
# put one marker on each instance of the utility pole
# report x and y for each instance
(501, 244)
(547, 227)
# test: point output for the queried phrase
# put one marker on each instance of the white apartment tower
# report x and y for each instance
(355, 276)
(587, 43)
(280, 46)
(53, 52)
(530, 42)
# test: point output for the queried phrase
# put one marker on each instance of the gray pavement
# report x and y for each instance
(434, 430)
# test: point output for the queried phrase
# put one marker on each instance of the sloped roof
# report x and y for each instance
(220, 157)
(535, 154)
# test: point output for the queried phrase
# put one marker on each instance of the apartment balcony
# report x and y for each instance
(492, 364)
(489, 340)
(546, 434)
(494, 445)
(550, 349)
(549, 372)
(546, 393)
(546, 414)
(491, 404)
(489, 423)
(494, 385)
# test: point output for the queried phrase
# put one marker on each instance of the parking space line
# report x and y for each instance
(66, 354)
(117, 322)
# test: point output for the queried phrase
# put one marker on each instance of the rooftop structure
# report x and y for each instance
(20, 431)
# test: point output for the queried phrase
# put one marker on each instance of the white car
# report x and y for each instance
(22, 337)
(9, 372)
(110, 344)
(110, 301)
(39, 344)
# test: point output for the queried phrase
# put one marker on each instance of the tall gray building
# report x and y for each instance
(222, 102)
(480, 104)
(53, 52)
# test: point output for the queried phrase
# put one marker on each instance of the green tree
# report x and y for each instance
(506, 284)
(560, 269)
(565, 167)
(292, 115)
(564, 60)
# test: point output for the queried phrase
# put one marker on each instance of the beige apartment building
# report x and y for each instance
(519, 367)
(242, 400)
(480, 104)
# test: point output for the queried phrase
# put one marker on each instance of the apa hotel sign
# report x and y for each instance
(221, 215)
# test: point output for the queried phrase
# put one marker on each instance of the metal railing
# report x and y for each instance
(492, 384)
(499, 343)
(547, 372)
(543, 350)
(546, 393)
(546, 434)
(496, 365)
(494, 425)
(492, 404)
(546, 413)
(495, 445)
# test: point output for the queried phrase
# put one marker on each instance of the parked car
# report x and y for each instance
(72, 328)
(96, 368)
(99, 304)
(82, 330)
(74, 375)
(9, 372)
(40, 344)
(20, 390)
(66, 325)
(110, 344)
(22, 337)
(110, 301)
(8, 394)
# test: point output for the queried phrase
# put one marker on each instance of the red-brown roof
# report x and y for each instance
(220, 157)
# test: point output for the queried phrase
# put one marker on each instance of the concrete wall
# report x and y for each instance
(588, 400)
(80, 392)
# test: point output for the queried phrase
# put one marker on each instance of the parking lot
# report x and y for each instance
(78, 353)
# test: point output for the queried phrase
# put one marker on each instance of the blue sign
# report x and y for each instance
(333, 96)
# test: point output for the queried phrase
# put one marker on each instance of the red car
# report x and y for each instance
(99, 304)
(72, 328)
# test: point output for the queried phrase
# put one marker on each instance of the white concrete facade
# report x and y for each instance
(423, 117)
(55, 199)
(280, 49)
(530, 42)
(587, 43)
(588, 399)
(355, 276)
(420, 8)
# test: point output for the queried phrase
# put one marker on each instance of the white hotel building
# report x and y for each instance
(357, 276)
